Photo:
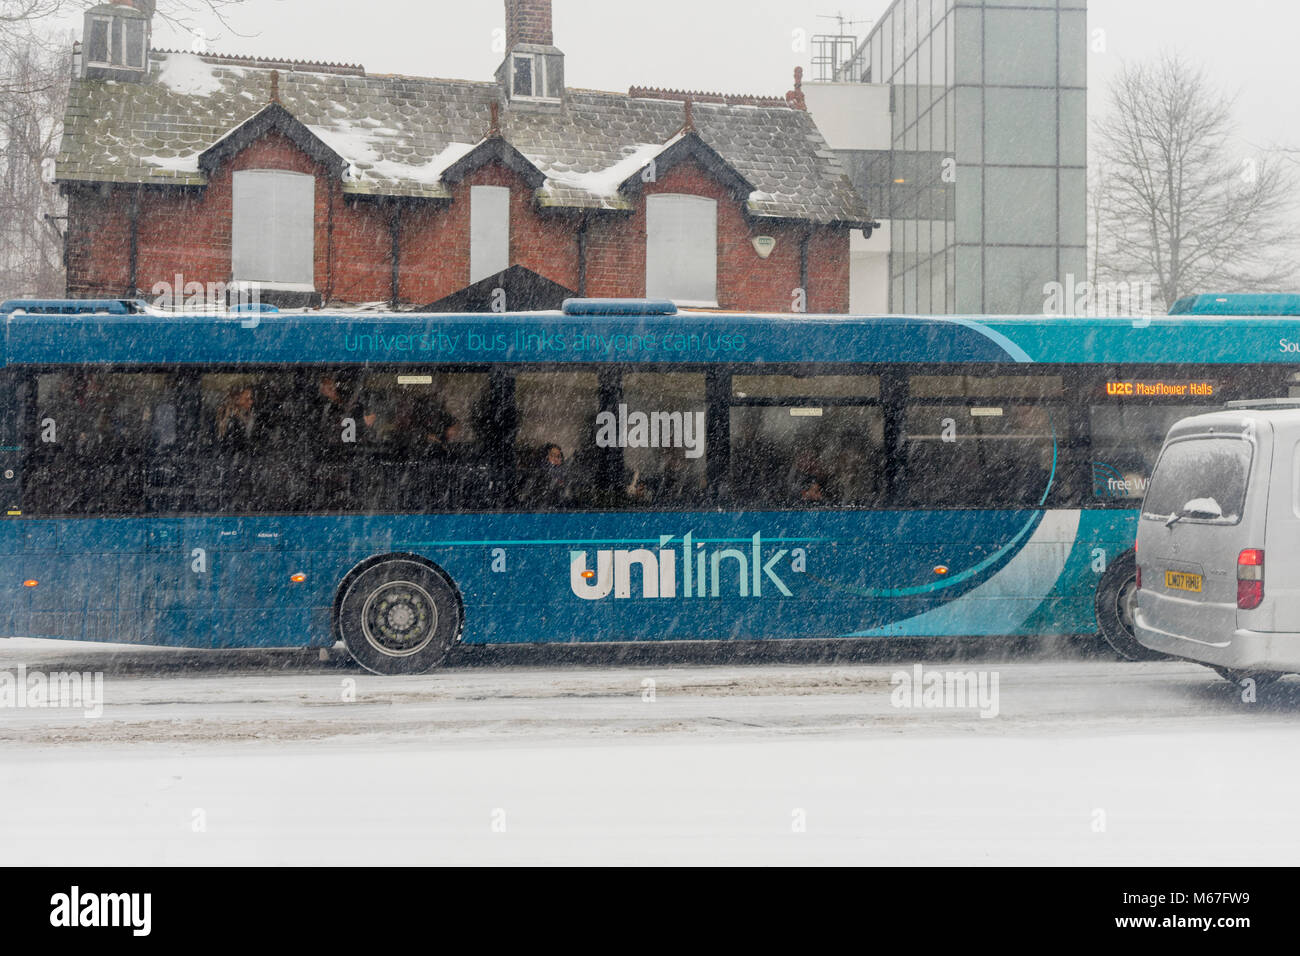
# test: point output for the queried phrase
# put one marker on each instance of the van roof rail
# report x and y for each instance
(1264, 404)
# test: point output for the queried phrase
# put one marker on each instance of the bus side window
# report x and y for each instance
(94, 438)
(660, 420)
(417, 441)
(807, 441)
(981, 442)
(558, 461)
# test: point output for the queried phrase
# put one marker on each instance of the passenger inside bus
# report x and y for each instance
(238, 428)
(551, 483)
(809, 481)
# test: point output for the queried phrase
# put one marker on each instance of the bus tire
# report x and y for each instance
(1116, 593)
(399, 615)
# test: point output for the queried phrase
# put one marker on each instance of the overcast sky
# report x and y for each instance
(745, 45)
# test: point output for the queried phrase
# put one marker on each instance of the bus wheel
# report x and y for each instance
(1116, 600)
(399, 616)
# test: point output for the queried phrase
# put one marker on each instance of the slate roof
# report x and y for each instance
(397, 135)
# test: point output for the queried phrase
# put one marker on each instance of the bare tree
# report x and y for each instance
(35, 65)
(1181, 210)
(31, 249)
(21, 15)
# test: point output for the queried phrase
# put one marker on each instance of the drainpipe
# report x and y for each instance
(804, 278)
(133, 283)
(582, 256)
(329, 243)
(395, 226)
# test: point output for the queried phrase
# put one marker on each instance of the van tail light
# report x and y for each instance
(1138, 566)
(1250, 579)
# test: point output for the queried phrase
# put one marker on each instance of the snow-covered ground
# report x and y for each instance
(277, 758)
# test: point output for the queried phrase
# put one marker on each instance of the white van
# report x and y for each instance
(1218, 545)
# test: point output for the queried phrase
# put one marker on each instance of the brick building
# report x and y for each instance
(319, 182)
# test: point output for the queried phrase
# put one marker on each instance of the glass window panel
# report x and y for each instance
(98, 440)
(1020, 206)
(1020, 48)
(1074, 128)
(523, 77)
(423, 440)
(969, 280)
(1003, 453)
(969, 126)
(97, 41)
(134, 53)
(1020, 127)
(807, 457)
(559, 463)
(900, 44)
(939, 286)
(554, 76)
(1074, 207)
(939, 59)
(1015, 279)
(1074, 48)
(664, 459)
(970, 204)
(969, 49)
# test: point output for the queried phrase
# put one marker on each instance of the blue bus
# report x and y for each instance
(615, 472)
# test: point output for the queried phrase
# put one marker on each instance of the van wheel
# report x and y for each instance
(1261, 678)
(399, 616)
(1116, 600)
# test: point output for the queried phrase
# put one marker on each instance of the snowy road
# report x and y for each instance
(277, 758)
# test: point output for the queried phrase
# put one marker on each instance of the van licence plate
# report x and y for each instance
(1182, 581)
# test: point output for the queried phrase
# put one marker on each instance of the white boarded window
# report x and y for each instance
(273, 236)
(681, 255)
(489, 231)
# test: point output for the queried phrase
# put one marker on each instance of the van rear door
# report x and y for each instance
(1201, 512)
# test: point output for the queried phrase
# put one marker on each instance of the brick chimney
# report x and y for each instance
(527, 21)
(533, 71)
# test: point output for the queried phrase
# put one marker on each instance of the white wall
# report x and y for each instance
(851, 115)
(855, 116)
(869, 272)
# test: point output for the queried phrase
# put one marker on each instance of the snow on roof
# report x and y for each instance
(189, 75)
(366, 150)
(605, 182)
(400, 134)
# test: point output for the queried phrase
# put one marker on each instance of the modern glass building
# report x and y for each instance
(984, 178)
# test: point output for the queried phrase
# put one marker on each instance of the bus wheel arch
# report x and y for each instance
(398, 613)
(1115, 592)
